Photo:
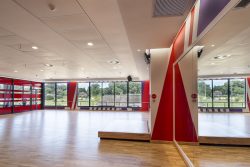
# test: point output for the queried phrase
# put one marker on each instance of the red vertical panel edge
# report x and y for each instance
(71, 93)
(248, 100)
(179, 42)
(191, 27)
(145, 96)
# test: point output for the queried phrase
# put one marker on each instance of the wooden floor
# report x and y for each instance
(69, 139)
(236, 125)
(218, 156)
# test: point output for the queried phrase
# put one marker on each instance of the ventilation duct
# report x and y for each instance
(172, 7)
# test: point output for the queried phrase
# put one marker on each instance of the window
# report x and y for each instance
(205, 93)
(61, 94)
(108, 96)
(26, 95)
(50, 94)
(220, 93)
(135, 94)
(83, 94)
(237, 93)
(121, 97)
(96, 94)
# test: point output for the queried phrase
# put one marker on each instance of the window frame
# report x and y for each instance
(128, 93)
(46, 106)
(78, 94)
(56, 94)
(245, 93)
(228, 93)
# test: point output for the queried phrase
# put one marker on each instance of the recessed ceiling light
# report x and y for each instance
(41, 70)
(138, 50)
(213, 45)
(90, 44)
(15, 71)
(113, 61)
(49, 65)
(212, 63)
(221, 57)
(34, 47)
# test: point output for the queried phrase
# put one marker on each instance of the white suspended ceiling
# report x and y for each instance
(117, 28)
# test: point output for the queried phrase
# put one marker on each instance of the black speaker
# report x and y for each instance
(147, 57)
(129, 78)
(199, 53)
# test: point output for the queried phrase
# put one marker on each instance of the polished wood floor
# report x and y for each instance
(69, 139)
(224, 125)
(218, 156)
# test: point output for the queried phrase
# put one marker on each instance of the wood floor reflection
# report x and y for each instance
(219, 156)
(65, 138)
(224, 125)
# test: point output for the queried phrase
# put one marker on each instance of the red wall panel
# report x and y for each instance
(145, 96)
(184, 127)
(72, 95)
(22, 97)
(5, 96)
(178, 46)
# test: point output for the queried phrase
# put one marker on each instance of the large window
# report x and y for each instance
(108, 96)
(96, 94)
(222, 93)
(61, 94)
(205, 93)
(83, 94)
(237, 93)
(121, 97)
(50, 94)
(135, 94)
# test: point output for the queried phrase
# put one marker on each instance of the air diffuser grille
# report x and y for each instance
(171, 7)
(243, 4)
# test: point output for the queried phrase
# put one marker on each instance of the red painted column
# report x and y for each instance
(145, 96)
(72, 95)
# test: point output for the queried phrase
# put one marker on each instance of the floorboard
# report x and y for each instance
(60, 138)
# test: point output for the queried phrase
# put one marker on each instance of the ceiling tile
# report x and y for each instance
(4, 32)
(12, 40)
(40, 8)
(69, 22)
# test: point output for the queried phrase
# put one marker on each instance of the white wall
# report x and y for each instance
(158, 69)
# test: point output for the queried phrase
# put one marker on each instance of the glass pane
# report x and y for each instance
(108, 98)
(96, 94)
(205, 93)
(27, 88)
(121, 94)
(49, 94)
(61, 94)
(83, 94)
(134, 94)
(237, 93)
(220, 91)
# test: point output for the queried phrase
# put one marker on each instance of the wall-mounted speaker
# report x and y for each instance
(129, 78)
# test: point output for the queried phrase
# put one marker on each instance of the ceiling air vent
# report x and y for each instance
(243, 4)
(172, 7)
